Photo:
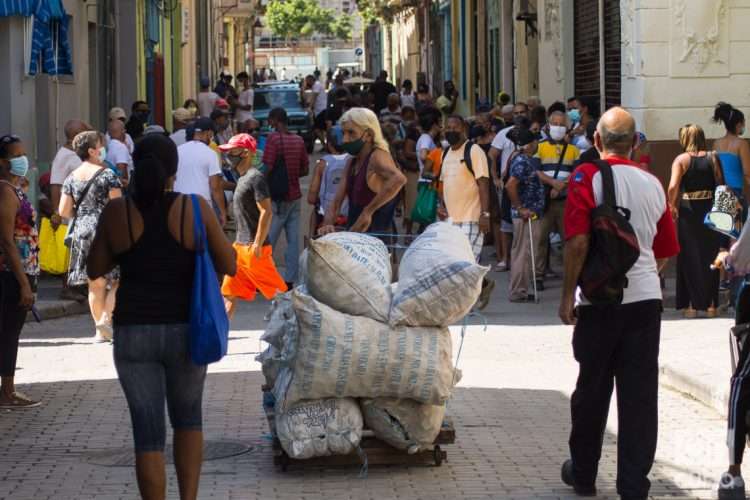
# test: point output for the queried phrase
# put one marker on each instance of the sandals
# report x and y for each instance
(18, 401)
(500, 267)
(690, 313)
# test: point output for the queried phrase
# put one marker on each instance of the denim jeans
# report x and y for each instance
(154, 365)
(286, 216)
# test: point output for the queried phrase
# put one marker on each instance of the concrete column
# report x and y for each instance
(126, 65)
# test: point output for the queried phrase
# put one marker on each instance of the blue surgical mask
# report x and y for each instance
(102, 154)
(574, 115)
(19, 166)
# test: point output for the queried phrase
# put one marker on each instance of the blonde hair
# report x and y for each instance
(367, 120)
(692, 138)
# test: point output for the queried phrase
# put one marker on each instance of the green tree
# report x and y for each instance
(288, 18)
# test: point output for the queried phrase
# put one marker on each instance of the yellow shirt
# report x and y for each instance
(460, 188)
(549, 155)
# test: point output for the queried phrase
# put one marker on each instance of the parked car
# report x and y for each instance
(284, 95)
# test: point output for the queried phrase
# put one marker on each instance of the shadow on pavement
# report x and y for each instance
(509, 443)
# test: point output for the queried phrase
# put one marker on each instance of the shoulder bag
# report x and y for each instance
(69, 233)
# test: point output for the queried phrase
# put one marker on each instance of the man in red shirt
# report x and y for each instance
(286, 208)
(616, 344)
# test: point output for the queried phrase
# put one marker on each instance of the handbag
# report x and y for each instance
(53, 254)
(68, 240)
(724, 213)
(278, 176)
(209, 325)
(425, 208)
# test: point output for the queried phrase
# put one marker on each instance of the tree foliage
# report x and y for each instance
(289, 18)
(376, 11)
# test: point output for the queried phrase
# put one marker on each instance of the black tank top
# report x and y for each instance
(699, 176)
(156, 273)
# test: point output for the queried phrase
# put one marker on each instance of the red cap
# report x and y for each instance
(240, 141)
(221, 103)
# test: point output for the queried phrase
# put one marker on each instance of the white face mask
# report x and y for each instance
(557, 132)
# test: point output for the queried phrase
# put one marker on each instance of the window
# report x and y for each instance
(276, 99)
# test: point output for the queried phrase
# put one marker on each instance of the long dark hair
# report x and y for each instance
(729, 116)
(155, 161)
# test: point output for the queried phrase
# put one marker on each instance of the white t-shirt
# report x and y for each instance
(207, 103)
(63, 165)
(505, 146)
(321, 99)
(424, 142)
(197, 164)
(128, 142)
(179, 137)
(247, 97)
(408, 100)
(117, 153)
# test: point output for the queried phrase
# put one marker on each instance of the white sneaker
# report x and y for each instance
(99, 338)
(103, 331)
(731, 487)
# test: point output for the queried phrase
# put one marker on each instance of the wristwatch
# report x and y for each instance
(485, 214)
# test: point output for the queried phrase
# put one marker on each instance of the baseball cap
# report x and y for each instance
(183, 115)
(243, 141)
(154, 129)
(221, 103)
(218, 113)
(117, 114)
(205, 82)
(203, 125)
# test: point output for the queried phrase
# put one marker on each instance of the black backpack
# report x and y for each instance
(613, 249)
(278, 176)
(467, 156)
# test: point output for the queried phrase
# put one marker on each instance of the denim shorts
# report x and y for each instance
(154, 365)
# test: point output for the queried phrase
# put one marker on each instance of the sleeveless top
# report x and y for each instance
(156, 273)
(699, 176)
(25, 235)
(731, 165)
(360, 195)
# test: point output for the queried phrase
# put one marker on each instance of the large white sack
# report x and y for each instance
(351, 273)
(403, 423)
(439, 279)
(281, 321)
(339, 355)
(320, 428)
(271, 362)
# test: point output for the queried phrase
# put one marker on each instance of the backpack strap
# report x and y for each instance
(608, 183)
(467, 156)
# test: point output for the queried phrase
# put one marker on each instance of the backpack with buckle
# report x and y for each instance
(614, 247)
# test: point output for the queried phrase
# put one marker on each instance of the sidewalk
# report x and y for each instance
(48, 304)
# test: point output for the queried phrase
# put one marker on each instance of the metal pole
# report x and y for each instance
(602, 69)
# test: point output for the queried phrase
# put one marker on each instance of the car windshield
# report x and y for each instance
(276, 99)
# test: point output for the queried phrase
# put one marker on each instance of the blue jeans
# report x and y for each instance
(286, 216)
(154, 365)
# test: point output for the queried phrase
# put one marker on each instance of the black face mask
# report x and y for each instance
(142, 115)
(453, 138)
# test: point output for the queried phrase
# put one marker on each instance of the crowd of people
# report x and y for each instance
(526, 176)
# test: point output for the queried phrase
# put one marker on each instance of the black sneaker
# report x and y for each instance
(580, 489)
(731, 487)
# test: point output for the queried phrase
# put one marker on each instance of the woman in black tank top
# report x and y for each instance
(150, 236)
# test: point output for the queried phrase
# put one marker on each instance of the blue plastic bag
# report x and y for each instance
(209, 325)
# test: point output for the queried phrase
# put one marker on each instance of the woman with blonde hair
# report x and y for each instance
(373, 180)
(695, 175)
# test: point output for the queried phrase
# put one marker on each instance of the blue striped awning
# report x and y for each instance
(50, 48)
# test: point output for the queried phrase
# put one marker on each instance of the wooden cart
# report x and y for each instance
(378, 452)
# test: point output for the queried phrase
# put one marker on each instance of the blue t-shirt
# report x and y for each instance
(530, 189)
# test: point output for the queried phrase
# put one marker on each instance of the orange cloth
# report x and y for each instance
(436, 155)
(253, 274)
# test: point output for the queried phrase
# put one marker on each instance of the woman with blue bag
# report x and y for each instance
(167, 325)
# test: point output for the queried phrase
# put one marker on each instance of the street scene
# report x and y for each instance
(308, 249)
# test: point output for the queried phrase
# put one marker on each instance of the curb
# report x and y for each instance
(49, 310)
(717, 399)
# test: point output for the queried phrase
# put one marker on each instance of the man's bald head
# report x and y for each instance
(615, 133)
(116, 130)
(75, 127)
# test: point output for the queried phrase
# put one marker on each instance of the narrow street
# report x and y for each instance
(511, 413)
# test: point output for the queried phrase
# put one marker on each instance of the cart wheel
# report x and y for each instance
(437, 454)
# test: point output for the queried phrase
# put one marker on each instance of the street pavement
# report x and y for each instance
(510, 411)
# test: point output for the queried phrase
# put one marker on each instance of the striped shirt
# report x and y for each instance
(549, 155)
(295, 156)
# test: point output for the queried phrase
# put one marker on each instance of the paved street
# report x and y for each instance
(510, 412)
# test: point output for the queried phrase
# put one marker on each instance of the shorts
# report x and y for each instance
(153, 364)
(253, 274)
(475, 236)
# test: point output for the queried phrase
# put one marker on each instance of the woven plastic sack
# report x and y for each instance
(403, 423)
(439, 279)
(351, 273)
(320, 428)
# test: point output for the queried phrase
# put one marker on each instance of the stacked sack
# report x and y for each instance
(348, 334)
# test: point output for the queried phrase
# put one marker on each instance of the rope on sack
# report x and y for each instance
(464, 325)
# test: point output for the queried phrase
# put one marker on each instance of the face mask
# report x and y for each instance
(453, 137)
(223, 126)
(742, 131)
(235, 160)
(142, 115)
(19, 166)
(557, 132)
(102, 154)
(353, 147)
(478, 131)
(574, 115)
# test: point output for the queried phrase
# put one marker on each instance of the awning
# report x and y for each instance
(50, 47)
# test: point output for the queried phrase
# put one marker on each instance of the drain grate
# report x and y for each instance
(212, 450)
